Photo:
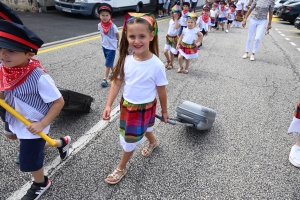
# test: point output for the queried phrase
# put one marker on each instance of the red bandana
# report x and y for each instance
(185, 11)
(232, 11)
(11, 77)
(106, 26)
(222, 8)
(205, 18)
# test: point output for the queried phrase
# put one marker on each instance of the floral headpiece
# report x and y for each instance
(149, 17)
(176, 8)
(192, 16)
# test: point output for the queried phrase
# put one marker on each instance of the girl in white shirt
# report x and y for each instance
(144, 76)
(187, 43)
(172, 37)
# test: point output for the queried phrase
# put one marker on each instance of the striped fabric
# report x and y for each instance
(135, 119)
(172, 41)
(188, 48)
(27, 92)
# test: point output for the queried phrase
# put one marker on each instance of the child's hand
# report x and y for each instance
(165, 116)
(177, 47)
(106, 113)
(195, 42)
(36, 127)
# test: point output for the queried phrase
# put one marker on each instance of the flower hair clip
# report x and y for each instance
(149, 17)
(192, 16)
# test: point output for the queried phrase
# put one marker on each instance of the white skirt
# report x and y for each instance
(169, 48)
(188, 56)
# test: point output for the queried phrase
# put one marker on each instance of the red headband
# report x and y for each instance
(18, 39)
(5, 17)
(106, 7)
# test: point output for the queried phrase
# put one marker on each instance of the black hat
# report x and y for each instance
(8, 14)
(105, 7)
(206, 8)
(232, 5)
(17, 37)
(186, 3)
(223, 2)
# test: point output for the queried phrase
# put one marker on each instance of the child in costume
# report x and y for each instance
(294, 156)
(185, 12)
(172, 37)
(64, 143)
(26, 87)
(222, 14)
(143, 75)
(110, 38)
(213, 15)
(230, 16)
(203, 22)
(187, 43)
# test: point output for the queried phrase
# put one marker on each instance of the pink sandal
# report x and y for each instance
(147, 150)
(117, 178)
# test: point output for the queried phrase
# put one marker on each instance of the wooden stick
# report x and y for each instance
(25, 121)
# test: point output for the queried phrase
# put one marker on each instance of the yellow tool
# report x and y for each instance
(25, 121)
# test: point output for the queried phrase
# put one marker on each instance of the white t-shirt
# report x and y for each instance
(222, 13)
(202, 24)
(141, 79)
(109, 41)
(183, 18)
(231, 16)
(246, 3)
(49, 93)
(213, 13)
(239, 5)
(189, 35)
(172, 31)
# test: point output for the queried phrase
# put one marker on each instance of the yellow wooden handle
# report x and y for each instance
(25, 121)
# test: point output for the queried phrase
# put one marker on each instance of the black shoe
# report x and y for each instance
(36, 190)
(64, 149)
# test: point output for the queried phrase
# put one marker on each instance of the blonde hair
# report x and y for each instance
(124, 47)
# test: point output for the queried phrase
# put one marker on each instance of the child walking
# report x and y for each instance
(222, 14)
(213, 15)
(110, 38)
(144, 75)
(187, 43)
(203, 22)
(185, 12)
(172, 38)
(26, 86)
(231, 16)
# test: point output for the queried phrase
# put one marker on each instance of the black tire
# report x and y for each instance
(293, 21)
(137, 8)
(94, 13)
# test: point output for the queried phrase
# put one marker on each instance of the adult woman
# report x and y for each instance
(258, 22)
(239, 14)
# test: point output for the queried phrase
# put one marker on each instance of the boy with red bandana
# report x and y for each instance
(110, 38)
(203, 22)
(26, 86)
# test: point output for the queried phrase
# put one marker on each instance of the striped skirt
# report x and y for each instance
(136, 120)
(171, 43)
(188, 51)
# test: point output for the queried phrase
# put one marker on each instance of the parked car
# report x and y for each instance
(90, 7)
(284, 4)
(290, 12)
(297, 22)
(278, 3)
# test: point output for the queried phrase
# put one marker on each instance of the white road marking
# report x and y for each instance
(279, 32)
(282, 34)
(292, 43)
(298, 49)
(56, 164)
(276, 29)
(287, 38)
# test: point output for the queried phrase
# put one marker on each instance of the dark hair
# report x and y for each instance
(186, 4)
(124, 46)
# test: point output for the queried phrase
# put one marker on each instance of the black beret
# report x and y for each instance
(8, 14)
(18, 37)
(105, 7)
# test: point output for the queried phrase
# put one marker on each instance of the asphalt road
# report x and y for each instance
(243, 156)
(55, 25)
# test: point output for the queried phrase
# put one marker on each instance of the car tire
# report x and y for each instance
(95, 14)
(137, 8)
(293, 21)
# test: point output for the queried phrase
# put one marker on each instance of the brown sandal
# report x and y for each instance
(147, 150)
(170, 66)
(117, 178)
(179, 70)
(167, 64)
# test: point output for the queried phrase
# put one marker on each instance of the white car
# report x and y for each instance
(278, 4)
